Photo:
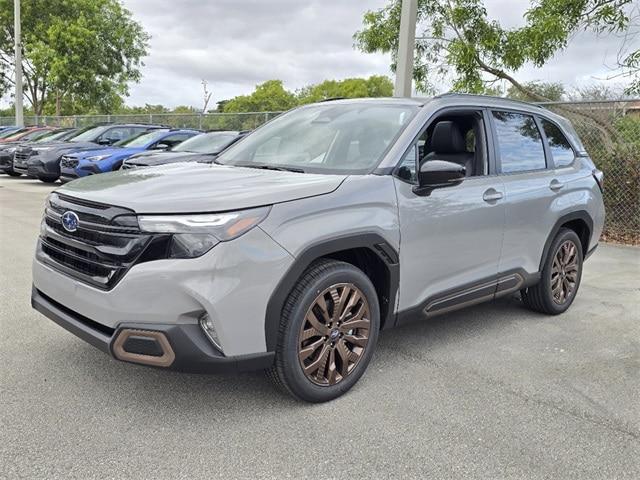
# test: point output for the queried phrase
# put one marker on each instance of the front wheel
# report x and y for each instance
(13, 174)
(328, 332)
(561, 276)
(48, 179)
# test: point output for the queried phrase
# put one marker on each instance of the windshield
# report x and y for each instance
(11, 132)
(90, 134)
(211, 142)
(36, 135)
(54, 136)
(328, 138)
(142, 139)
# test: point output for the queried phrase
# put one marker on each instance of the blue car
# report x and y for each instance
(101, 160)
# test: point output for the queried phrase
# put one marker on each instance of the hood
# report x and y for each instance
(197, 188)
(110, 151)
(65, 146)
(164, 158)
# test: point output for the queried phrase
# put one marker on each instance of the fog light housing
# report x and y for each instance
(209, 330)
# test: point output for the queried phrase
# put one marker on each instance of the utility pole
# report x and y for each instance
(406, 45)
(18, 65)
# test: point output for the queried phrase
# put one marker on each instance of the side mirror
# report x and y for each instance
(438, 174)
(161, 146)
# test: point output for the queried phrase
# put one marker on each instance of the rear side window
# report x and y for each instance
(519, 142)
(560, 148)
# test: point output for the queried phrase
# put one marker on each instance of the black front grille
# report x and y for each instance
(106, 243)
(69, 162)
(21, 158)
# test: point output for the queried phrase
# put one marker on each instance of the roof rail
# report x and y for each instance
(505, 99)
(331, 99)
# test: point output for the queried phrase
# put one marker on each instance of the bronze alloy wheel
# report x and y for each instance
(334, 334)
(564, 272)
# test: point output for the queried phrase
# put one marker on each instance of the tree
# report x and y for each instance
(552, 91)
(269, 96)
(75, 52)
(459, 42)
(374, 86)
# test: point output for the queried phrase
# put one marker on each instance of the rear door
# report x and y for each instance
(530, 188)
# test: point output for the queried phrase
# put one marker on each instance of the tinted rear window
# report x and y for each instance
(519, 142)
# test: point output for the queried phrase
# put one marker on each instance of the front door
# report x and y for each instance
(451, 240)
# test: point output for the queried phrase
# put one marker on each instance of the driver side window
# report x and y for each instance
(459, 138)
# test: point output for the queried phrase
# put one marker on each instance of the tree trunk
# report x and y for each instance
(58, 104)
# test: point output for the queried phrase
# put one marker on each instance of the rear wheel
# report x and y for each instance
(328, 331)
(561, 276)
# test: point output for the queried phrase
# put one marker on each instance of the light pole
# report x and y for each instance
(406, 45)
(18, 65)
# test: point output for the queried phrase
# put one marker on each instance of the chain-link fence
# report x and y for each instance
(610, 131)
(206, 121)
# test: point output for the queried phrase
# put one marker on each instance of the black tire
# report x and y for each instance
(540, 297)
(48, 179)
(13, 174)
(287, 371)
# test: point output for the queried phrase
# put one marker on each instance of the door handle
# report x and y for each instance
(492, 195)
(556, 185)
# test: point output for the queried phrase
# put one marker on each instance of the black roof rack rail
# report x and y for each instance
(331, 99)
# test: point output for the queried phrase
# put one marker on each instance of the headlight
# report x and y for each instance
(97, 158)
(194, 235)
(10, 150)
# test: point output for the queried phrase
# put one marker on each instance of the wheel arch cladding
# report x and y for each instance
(580, 222)
(368, 251)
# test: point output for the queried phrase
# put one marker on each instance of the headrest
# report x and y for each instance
(447, 138)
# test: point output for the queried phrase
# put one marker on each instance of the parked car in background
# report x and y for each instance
(7, 129)
(202, 148)
(12, 130)
(26, 134)
(324, 226)
(43, 161)
(90, 162)
(7, 150)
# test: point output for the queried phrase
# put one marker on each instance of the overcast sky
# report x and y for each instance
(236, 44)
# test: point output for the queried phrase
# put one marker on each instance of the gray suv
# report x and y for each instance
(316, 231)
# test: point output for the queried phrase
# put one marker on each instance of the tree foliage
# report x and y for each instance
(271, 96)
(374, 86)
(458, 41)
(552, 91)
(76, 53)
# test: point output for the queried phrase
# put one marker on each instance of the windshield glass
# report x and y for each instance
(54, 136)
(36, 135)
(90, 134)
(328, 138)
(11, 132)
(143, 139)
(211, 142)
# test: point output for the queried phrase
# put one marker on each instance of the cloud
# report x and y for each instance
(236, 44)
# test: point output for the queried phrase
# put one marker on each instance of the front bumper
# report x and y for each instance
(232, 283)
(45, 169)
(186, 350)
(6, 162)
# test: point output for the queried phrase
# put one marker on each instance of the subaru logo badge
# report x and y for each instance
(70, 221)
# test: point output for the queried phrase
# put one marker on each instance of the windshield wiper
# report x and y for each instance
(270, 167)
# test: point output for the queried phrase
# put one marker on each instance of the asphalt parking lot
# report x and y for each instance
(491, 392)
